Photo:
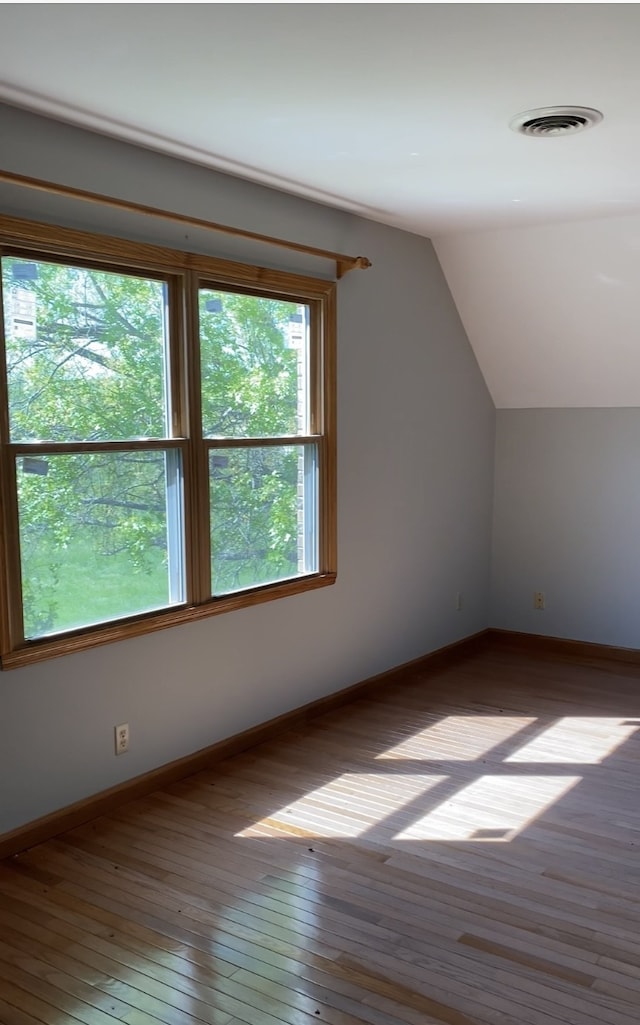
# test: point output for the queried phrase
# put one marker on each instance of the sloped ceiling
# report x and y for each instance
(400, 113)
(552, 311)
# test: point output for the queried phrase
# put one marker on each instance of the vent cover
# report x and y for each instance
(555, 121)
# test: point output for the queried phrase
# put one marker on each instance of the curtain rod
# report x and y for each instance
(343, 263)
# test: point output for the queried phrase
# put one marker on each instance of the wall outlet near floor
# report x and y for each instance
(458, 601)
(538, 600)
(122, 738)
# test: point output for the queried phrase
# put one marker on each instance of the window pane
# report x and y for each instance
(254, 359)
(85, 353)
(263, 515)
(100, 537)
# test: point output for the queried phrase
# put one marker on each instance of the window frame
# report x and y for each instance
(185, 273)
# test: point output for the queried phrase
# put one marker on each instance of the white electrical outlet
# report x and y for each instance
(458, 601)
(538, 600)
(122, 738)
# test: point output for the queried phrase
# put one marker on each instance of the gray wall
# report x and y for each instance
(415, 491)
(567, 522)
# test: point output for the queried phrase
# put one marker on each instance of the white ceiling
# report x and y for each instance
(401, 113)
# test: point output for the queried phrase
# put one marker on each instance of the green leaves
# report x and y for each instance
(93, 367)
(251, 379)
(88, 354)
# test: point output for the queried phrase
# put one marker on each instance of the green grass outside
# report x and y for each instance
(78, 586)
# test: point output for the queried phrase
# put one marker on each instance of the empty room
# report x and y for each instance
(319, 494)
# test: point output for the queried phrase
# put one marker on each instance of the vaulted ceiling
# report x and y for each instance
(400, 113)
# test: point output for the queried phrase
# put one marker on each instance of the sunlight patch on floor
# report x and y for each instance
(594, 736)
(458, 738)
(348, 806)
(492, 800)
(492, 808)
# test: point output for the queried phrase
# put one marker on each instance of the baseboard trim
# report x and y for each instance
(562, 647)
(106, 801)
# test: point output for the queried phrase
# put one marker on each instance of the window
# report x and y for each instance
(167, 438)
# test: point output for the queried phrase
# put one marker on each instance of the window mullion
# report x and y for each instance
(178, 468)
(4, 389)
(11, 621)
(197, 527)
(325, 402)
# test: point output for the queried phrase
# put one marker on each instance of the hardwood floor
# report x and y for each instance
(462, 848)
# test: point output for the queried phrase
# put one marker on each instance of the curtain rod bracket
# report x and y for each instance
(353, 263)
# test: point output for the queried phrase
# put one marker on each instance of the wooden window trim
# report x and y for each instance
(43, 241)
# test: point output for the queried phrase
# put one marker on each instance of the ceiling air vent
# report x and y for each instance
(555, 121)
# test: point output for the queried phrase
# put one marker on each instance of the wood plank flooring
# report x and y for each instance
(460, 849)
